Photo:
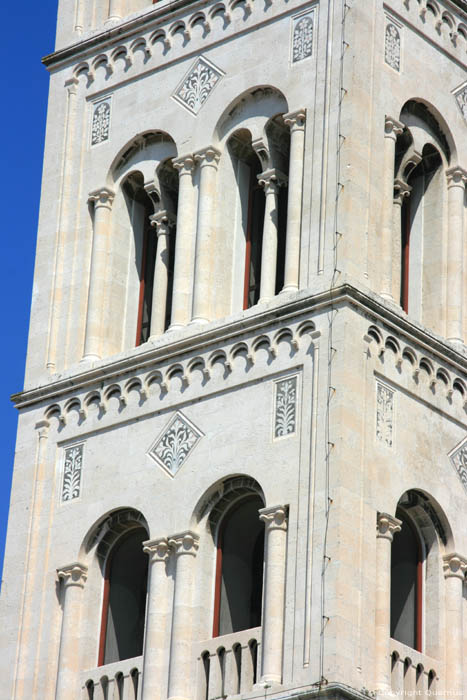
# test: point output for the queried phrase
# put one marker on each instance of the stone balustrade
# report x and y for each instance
(117, 681)
(412, 673)
(228, 665)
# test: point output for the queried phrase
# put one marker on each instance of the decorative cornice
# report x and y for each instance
(256, 320)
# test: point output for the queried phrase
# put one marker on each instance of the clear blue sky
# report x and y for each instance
(28, 34)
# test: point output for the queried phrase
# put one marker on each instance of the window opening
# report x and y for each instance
(124, 604)
(239, 569)
(254, 238)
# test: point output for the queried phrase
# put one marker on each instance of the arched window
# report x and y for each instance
(239, 570)
(407, 584)
(124, 600)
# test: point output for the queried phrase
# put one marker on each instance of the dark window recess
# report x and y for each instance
(124, 600)
(254, 238)
(406, 580)
(239, 580)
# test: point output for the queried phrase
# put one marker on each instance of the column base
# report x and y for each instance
(265, 300)
(268, 681)
(289, 289)
(387, 296)
(456, 341)
(197, 319)
(90, 357)
(175, 327)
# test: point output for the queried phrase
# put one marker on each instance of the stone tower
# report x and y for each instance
(241, 466)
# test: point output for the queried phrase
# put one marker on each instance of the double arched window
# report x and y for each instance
(124, 599)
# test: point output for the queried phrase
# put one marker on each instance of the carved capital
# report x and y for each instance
(185, 543)
(185, 164)
(296, 120)
(102, 198)
(72, 85)
(454, 566)
(157, 550)
(275, 517)
(457, 177)
(73, 575)
(208, 157)
(271, 180)
(401, 191)
(387, 526)
(163, 221)
(42, 428)
(392, 128)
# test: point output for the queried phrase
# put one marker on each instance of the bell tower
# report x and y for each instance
(241, 467)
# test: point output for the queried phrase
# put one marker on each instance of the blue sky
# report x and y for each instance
(29, 34)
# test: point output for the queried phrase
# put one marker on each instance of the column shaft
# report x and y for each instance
(455, 568)
(296, 121)
(457, 177)
(392, 129)
(202, 292)
(386, 527)
(185, 546)
(401, 191)
(274, 592)
(270, 180)
(163, 222)
(156, 620)
(115, 10)
(102, 206)
(184, 244)
(73, 577)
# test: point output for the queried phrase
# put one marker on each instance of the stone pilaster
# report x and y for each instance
(392, 129)
(157, 615)
(386, 527)
(457, 177)
(184, 244)
(275, 520)
(185, 546)
(455, 568)
(73, 578)
(270, 181)
(296, 122)
(208, 160)
(102, 200)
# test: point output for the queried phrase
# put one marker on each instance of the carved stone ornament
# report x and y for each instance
(197, 85)
(392, 46)
(275, 517)
(461, 99)
(73, 575)
(175, 444)
(458, 458)
(157, 550)
(100, 123)
(72, 472)
(454, 566)
(285, 415)
(384, 413)
(387, 526)
(302, 40)
(184, 543)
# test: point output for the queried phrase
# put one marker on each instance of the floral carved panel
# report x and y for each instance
(175, 444)
(459, 461)
(100, 128)
(72, 472)
(384, 414)
(285, 414)
(302, 38)
(392, 46)
(197, 85)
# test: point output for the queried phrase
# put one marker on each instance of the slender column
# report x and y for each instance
(115, 11)
(455, 568)
(102, 207)
(457, 177)
(275, 520)
(185, 546)
(392, 129)
(401, 192)
(183, 266)
(156, 619)
(163, 222)
(73, 578)
(270, 180)
(296, 122)
(208, 160)
(386, 526)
